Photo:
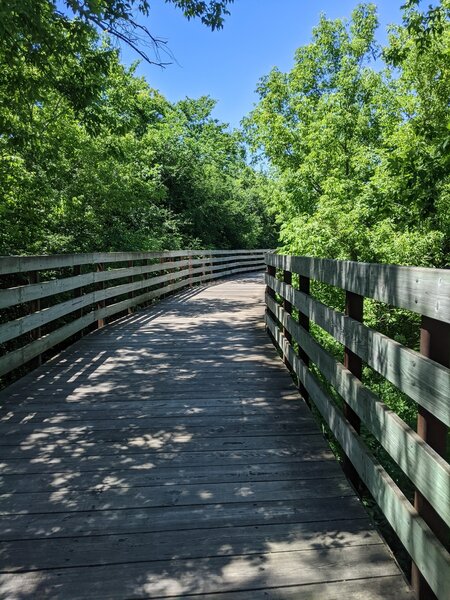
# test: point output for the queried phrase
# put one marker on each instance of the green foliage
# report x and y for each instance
(92, 158)
(362, 155)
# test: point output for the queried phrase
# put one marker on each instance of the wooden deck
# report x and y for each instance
(169, 455)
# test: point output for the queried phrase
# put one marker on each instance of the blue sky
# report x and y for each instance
(227, 64)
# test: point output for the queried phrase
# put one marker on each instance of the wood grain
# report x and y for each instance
(169, 454)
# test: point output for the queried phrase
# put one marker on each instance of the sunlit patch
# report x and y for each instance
(205, 495)
(244, 492)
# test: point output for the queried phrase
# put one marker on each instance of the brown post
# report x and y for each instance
(354, 308)
(287, 278)
(100, 303)
(77, 293)
(271, 293)
(147, 276)
(35, 305)
(435, 344)
(131, 279)
(303, 320)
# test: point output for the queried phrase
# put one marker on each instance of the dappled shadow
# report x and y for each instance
(169, 454)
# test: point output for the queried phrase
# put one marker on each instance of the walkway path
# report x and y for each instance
(169, 455)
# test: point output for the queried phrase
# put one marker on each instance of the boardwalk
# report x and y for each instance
(169, 455)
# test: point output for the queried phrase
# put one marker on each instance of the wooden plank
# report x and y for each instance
(110, 432)
(314, 452)
(204, 575)
(27, 293)
(147, 475)
(19, 357)
(207, 425)
(379, 588)
(197, 493)
(24, 555)
(422, 290)
(424, 380)
(61, 414)
(427, 552)
(178, 518)
(22, 355)
(21, 264)
(147, 496)
(429, 472)
(171, 443)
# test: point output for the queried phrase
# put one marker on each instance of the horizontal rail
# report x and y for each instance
(425, 381)
(427, 552)
(424, 377)
(99, 293)
(421, 290)
(429, 472)
(24, 264)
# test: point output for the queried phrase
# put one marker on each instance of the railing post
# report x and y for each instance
(35, 305)
(287, 278)
(303, 320)
(131, 279)
(354, 308)
(434, 344)
(270, 292)
(77, 293)
(101, 303)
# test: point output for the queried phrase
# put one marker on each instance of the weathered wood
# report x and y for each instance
(354, 308)
(422, 290)
(21, 264)
(429, 472)
(13, 329)
(177, 449)
(72, 552)
(18, 327)
(427, 552)
(435, 344)
(147, 475)
(177, 518)
(374, 589)
(19, 357)
(107, 498)
(205, 575)
(424, 380)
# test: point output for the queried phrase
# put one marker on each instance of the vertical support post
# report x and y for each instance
(35, 305)
(131, 279)
(190, 271)
(147, 276)
(303, 320)
(77, 293)
(101, 303)
(270, 292)
(287, 278)
(354, 308)
(435, 344)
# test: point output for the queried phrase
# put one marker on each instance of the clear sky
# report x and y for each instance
(227, 64)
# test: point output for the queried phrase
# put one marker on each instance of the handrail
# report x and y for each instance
(424, 376)
(45, 300)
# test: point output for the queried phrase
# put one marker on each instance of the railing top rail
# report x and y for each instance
(422, 290)
(22, 264)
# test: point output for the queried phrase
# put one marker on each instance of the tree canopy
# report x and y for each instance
(359, 136)
(92, 158)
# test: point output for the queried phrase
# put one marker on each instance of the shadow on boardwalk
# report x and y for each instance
(170, 455)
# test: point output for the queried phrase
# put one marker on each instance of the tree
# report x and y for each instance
(362, 154)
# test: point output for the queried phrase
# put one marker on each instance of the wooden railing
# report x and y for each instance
(423, 528)
(46, 300)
